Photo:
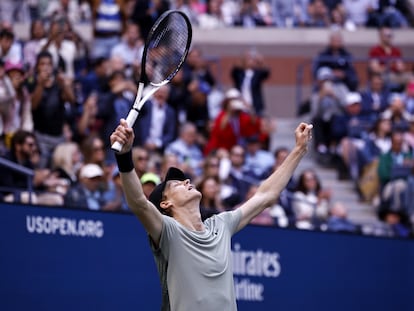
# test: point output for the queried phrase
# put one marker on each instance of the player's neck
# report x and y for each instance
(190, 218)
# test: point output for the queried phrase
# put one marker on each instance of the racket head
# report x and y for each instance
(166, 48)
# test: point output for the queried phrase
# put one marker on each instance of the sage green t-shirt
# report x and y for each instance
(195, 268)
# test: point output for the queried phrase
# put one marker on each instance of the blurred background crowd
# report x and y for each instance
(61, 97)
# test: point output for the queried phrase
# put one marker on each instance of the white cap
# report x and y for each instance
(352, 98)
(91, 170)
(233, 93)
(237, 104)
(324, 73)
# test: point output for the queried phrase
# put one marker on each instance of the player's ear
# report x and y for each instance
(166, 204)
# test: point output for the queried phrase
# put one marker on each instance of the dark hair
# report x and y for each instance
(19, 137)
(6, 33)
(300, 185)
(43, 54)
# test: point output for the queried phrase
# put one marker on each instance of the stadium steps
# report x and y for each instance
(342, 191)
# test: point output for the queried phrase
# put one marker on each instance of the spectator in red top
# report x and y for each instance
(233, 124)
(386, 59)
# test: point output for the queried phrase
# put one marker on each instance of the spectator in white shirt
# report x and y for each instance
(131, 47)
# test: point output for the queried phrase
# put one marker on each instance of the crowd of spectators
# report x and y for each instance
(61, 97)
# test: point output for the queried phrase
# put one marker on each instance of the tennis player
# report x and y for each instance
(194, 257)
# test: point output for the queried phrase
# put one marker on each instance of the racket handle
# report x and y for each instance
(132, 116)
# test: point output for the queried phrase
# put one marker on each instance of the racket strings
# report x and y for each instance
(167, 48)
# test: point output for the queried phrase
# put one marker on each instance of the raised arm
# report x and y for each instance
(146, 212)
(270, 189)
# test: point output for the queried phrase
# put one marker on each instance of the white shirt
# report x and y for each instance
(157, 123)
(67, 51)
(127, 53)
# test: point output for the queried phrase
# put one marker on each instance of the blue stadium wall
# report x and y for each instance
(61, 259)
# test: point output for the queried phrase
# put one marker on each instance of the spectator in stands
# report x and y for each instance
(336, 57)
(233, 124)
(248, 77)
(114, 194)
(393, 170)
(50, 92)
(358, 11)
(10, 50)
(63, 51)
(88, 122)
(387, 59)
(349, 130)
(66, 162)
(7, 101)
(250, 16)
(257, 159)
(96, 80)
(131, 46)
(156, 127)
(213, 17)
(32, 46)
(288, 13)
(408, 97)
(318, 14)
(338, 220)
(186, 7)
(375, 96)
(63, 8)
(115, 104)
(146, 12)
(238, 177)
(310, 201)
(88, 193)
(397, 112)
(14, 11)
(140, 157)
(106, 34)
(186, 149)
(409, 134)
(397, 220)
(327, 101)
(390, 13)
(210, 203)
(149, 181)
(21, 112)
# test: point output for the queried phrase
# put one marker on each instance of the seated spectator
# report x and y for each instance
(258, 160)
(375, 96)
(408, 97)
(233, 124)
(338, 220)
(149, 181)
(186, 149)
(114, 195)
(213, 17)
(211, 203)
(336, 57)
(397, 220)
(326, 102)
(409, 134)
(387, 59)
(390, 13)
(287, 13)
(66, 162)
(318, 14)
(358, 11)
(140, 157)
(310, 201)
(250, 16)
(397, 112)
(88, 193)
(394, 167)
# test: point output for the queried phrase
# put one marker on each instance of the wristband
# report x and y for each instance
(124, 161)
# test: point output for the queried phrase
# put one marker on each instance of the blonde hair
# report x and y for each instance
(63, 156)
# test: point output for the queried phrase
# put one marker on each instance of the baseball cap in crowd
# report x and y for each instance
(324, 73)
(9, 66)
(352, 98)
(91, 171)
(235, 101)
(173, 173)
(150, 178)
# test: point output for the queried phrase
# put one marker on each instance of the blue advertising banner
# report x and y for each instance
(62, 259)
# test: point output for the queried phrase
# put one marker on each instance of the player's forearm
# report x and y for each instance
(275, 183)
(133, 191)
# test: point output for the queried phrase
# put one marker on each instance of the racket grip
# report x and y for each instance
(131, 118)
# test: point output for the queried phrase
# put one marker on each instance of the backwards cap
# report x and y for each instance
(156, 195)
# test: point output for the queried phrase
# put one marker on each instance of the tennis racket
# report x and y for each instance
(165, 51)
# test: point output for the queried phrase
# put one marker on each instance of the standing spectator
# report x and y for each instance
(7, 101)
(107, 20)
(96, 80)
(186, 149)
(63, 8)
(10, 50)
(32, 46)
(63, 51)
(156, 127)
(248, 77)
(131, 46)
(21, 112)
(233, 124)
(310, 201)
(336, 57)
(49, 93)
(375, 96)
(387, 59)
